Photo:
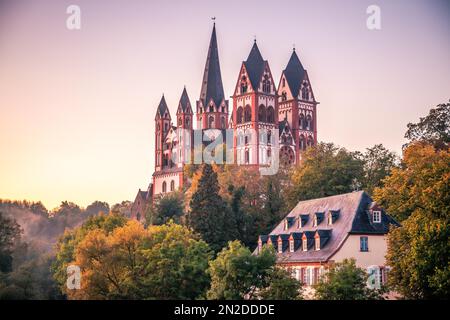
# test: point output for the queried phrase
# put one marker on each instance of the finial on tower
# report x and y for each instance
(293, 47)
(254, 38)
(214, 20)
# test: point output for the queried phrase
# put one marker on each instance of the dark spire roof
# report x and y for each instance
(184, 101)
(294, 73)
(212, 87)
(162, 108)
(254, 66)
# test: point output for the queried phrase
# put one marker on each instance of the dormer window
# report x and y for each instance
(286, 224)
(376, 216)
(330, 219)
(315, 221)
(317, 243)
(280, 246)
(291, 245)
(305, 244)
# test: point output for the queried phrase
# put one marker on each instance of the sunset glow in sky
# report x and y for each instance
(77, 107)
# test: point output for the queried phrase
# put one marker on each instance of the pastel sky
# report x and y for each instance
(77, 107)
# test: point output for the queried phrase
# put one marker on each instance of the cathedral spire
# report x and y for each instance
(212, 87)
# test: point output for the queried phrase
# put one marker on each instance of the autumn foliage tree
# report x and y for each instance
(131, 262)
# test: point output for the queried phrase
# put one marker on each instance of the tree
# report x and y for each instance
(345, 281)
(209, 215)
(434, 128)
(10, 233)
(421, 183)
(168, 207)
(238, 274)
(378, 163)
(161, 262)
(325, 170)
(67, 244)
(282, 286)
(418, 254)
(97, 207)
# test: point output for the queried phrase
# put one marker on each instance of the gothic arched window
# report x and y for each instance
(211, 121)
(269, 137)
(222, 122)
(244, 84)
(301, 121)
(262, 113)
(188, 122)
(211, 108)
(164, 187)
(247, 114)
(270, 114)
(309, 125)
(302, 142)
(305, 91)
(247, 156)
(266, 84)
(239, 115)
(172, 185)
(310, 141)
(283, 96)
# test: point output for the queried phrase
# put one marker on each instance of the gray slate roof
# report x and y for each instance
(294, 73)
(184, 101)
(162, 107)
(255, 66)
(353, 218)
(212, 87)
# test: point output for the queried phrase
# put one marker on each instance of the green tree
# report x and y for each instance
(345, 281)
(168, 207)
(238, 274)
(434, 128)
(325, 170)
(418, 254)
(378, 164)
(10, 233)
(209, 214)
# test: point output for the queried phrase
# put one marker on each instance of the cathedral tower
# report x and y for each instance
(297, 107)
(212, 107)
(255, 110)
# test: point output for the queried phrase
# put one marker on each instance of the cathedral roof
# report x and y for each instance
(162, 108)
(184, 101)
(294, 73)
(255, 66)
(212, 87)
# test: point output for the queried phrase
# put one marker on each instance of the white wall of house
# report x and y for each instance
(375, 256)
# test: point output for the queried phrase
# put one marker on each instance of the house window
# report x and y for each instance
(291, 245)
(377, 216)
(364, 244)
(305, 244)
(317, 243)
(172, 185)
(304, 275)
(284, 83)
(247, 157)
(280, 246)
(164, 187)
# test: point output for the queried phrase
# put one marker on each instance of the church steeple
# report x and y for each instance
(212, 108)
(212, 87)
